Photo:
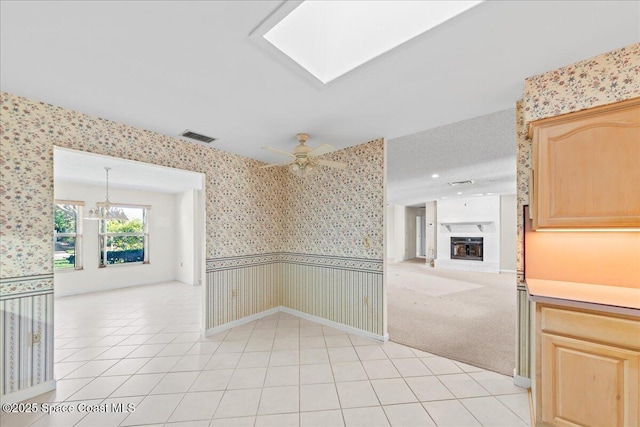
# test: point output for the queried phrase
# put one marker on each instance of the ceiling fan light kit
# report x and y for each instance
(302, 170)
(304, 160)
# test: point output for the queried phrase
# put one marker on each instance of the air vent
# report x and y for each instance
(453, 184)
(197, 136)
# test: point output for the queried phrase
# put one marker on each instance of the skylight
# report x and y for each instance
(331, 38)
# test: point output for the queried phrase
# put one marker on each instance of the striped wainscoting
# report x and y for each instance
(238, 287)
(523, 336)
(25, 364)
(344, 290)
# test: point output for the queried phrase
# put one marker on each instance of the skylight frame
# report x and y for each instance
(287, 11)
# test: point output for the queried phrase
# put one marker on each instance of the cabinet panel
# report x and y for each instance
(586, 170)
(592, 327)
(588, 384)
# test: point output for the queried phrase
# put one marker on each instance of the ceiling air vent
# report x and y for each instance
(453, 184)
(197, 136)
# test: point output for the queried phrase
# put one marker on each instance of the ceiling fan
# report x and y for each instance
(304, 160)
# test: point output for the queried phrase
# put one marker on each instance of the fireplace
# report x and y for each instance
(467, 248)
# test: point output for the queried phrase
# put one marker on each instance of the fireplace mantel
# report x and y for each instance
(469, 217)
(480, 224)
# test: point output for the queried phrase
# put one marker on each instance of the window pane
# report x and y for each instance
(135, 224)
(124, 249)
(117, 246)
(64, 252)
(65, 218)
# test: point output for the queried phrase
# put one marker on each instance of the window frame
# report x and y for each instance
(77, 235)
(103, 236)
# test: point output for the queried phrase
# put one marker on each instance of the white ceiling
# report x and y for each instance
(330, 38)
(77, 166)
(169, 66)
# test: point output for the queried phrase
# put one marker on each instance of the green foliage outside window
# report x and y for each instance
(125, 243)
(64, 219)
(64, 223)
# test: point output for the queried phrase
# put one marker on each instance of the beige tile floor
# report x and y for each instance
(142, 347)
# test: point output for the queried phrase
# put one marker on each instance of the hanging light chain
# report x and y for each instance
(106, 210)
(107, 198)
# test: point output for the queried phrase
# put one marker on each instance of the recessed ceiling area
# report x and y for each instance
(87, 168)
(331, 38)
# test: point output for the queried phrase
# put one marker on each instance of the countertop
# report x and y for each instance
(606, 298)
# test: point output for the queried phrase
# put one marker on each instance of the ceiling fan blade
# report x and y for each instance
(276, 164)
(275, 150)
(320, 150)
(331, 164)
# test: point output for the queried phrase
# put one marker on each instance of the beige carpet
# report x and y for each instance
(466, 316)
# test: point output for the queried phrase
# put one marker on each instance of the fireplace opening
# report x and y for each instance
(468, 248)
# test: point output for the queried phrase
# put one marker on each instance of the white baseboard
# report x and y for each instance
(240, 322)
(28, 393)
(302, 315)
(340, 326)
(523, 382)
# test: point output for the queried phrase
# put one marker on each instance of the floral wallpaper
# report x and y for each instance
(249, 210)
(523, 168)
(244, 203)
(331, 250)
(255, 219)
(339, 212)
(601, 80)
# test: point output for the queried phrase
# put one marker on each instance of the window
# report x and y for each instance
(67, 235)
(125, 241)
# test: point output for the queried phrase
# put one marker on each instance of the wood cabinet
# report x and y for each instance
(587, 368)
(586, 168)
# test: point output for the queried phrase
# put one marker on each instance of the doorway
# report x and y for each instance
(460, 314)
(421, 244)
(161, 240)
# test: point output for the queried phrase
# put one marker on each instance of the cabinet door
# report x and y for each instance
(587, 168)
(588, 384)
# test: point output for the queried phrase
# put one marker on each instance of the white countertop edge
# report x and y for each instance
(613, 309)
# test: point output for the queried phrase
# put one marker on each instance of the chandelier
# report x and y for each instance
(106, 210)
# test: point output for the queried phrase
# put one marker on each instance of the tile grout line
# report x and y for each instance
(264, 381)
(185, 328)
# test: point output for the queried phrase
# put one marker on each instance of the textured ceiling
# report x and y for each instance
(482, 149)
(168, 66)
